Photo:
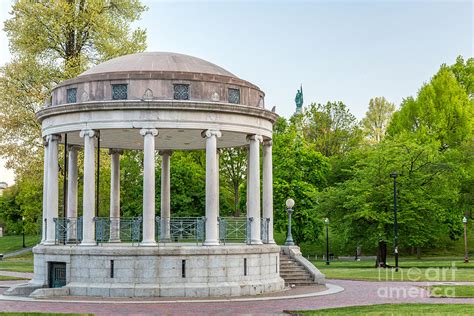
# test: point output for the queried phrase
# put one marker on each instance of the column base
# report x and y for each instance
(49, 243)
(150, 243)
(256, 242)
(88, 243)
(271, 242)
(211, 243)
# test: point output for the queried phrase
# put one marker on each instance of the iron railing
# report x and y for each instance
(124, 229)
(180, 229)
(234, 229)
(264, 231)
(68, 230)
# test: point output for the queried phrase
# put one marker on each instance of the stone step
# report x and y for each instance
(293, 273)
(300, 283)
(297, 279)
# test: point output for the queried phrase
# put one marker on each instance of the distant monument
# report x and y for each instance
(299, 100)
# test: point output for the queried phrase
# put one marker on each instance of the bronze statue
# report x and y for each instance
(299, 99)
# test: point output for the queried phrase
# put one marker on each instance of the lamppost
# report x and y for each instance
(23, 229)
(466, 257)
(326, 221)
(289, 209)
(395, 224)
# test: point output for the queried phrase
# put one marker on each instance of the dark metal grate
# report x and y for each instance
(181, 91)
(71, 95)
(57, 274)
(119, 92)
(234, 96)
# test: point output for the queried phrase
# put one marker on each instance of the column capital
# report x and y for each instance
(267, 142)
(72, 148)
(165, 152)
(115, 151)
(211, 132)
(151, 131)
(255, 137)
(87, 132)
(52, 138)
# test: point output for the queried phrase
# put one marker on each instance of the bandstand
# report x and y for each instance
(156, 102)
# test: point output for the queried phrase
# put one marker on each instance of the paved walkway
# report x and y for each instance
(17, 252)
(26, 275)
(355, 293)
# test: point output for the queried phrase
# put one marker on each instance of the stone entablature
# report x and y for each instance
(202, 87)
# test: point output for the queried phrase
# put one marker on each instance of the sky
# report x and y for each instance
(349, 51)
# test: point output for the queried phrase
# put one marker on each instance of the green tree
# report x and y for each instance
(188, 184)
(377, 118)
(428, 192)
(233, 173)
(74, 34)
(299, 171)
(331, 128)
(52, 41)
(441, 108)
(464, 73)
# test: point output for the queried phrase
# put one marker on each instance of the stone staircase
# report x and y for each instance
(293, 273)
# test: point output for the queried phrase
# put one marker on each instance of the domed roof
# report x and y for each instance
(157, 61)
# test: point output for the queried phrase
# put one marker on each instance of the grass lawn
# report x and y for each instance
(15, 242)
(396, 309)
(23, 263)
(452, 291)
(439, 269)
(10, 278)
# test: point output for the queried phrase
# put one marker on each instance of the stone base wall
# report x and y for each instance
(180, 271)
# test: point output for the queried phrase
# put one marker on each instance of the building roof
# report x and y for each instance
(157, 61)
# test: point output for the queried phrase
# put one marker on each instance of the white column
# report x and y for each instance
(115, 194)
(72, 193)
(268, 188)
(88, 205)
(218, 160)
(148, 186)
(254, 188)
(52, 188)
(45, 190)
(212, 187)
(165, 196)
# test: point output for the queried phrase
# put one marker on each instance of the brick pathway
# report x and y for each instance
(356, 293)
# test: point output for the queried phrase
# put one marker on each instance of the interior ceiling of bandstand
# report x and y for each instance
(173, 139)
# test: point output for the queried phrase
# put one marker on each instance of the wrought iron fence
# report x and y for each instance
(131, 229)
(102, 229)
(264, 231)
(68, 230)
(181, 229)
(234, 229)
(124, 229)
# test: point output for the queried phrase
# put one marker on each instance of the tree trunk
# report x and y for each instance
(418, 252)
(236, 200)
(381, 255)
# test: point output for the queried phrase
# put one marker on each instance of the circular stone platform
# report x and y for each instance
(172, 271)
